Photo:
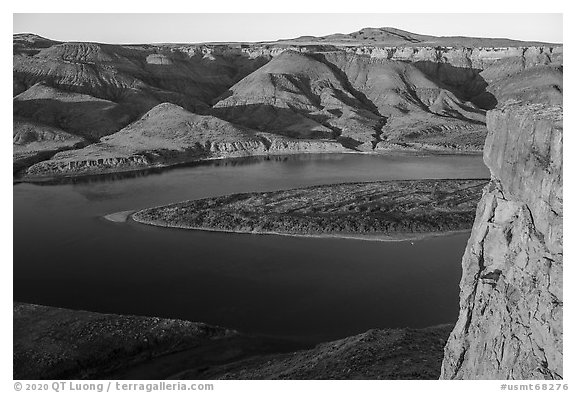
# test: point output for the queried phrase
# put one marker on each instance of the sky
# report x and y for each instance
(246, 27)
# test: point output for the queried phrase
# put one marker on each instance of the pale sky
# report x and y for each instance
(191, 28)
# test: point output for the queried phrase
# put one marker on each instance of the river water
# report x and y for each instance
(67, 255)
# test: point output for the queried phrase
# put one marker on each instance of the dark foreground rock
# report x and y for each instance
(376, 354)
(373, 210)
(55, 343)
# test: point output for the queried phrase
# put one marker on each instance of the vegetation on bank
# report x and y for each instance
(372, 208)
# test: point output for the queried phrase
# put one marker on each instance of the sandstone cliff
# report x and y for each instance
(510, 322)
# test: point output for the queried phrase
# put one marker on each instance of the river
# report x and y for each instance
(67, 255)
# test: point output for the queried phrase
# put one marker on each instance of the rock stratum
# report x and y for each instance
(371, 211)
(510, 322)
(168, 134)
(89, 108)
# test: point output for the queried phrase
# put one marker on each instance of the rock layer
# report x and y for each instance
(510, 322)
(169, 134)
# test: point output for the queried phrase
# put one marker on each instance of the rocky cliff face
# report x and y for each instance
(510, 322)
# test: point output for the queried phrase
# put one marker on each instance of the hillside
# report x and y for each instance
(373, 91)
(390, 354)
(168, 134)
(32, 142)
(347, 97)
(389, 36)
(56, 343)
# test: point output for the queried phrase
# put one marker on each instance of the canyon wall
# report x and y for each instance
(475, 57)
(510, 322)
(376, 90)
(467, 69)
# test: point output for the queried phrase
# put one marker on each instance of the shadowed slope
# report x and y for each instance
(79, 114)
(534, 85)
(298, 96)
(56, 343)
(353, 96)
(142, 75)
(169, 134)
(378, 89)
(376, 354)
(33, 142)
(93, 90)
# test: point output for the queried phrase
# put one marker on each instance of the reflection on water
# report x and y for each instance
(229, 162)
(66, 255)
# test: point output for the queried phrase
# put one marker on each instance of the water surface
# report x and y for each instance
(66, 254)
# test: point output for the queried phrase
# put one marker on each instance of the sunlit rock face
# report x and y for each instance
(510, 322)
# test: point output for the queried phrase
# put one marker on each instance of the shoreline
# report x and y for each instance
(394, 234)
(163, 165)
(397, 237)
(119, 217)
(207, 160)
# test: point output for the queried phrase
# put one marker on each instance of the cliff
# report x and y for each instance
(510, 322)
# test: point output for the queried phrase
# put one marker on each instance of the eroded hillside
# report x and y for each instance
(370, 91)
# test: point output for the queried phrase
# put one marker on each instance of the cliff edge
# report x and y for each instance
(510, 322)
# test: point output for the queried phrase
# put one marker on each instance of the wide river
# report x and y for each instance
(67, 255)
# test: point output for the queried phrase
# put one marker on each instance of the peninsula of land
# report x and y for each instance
(387, 210)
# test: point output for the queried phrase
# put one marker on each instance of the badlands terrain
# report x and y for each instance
(88, 108)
